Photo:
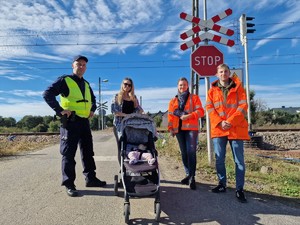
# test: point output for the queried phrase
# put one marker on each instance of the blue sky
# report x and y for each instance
(139, 39)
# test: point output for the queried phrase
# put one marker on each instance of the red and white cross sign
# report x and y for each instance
(209, 24)
(207, 35)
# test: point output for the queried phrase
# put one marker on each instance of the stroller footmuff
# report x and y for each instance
(141, 178)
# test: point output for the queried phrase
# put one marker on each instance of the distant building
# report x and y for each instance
(164, 123)
(163, 115)
(159, 113)
(291, 110)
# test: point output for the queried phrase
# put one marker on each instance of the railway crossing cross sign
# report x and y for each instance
(202, 26)
(205, 59)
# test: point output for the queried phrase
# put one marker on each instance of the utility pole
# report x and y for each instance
(101, 106)
(194, 76)
(207, 86)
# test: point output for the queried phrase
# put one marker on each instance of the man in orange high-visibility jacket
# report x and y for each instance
(185, 109)
(227, 109)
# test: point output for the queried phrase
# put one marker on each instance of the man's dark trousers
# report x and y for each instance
(76, 132)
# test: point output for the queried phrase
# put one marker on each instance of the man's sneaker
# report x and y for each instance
(219, 188)
(185, 180)
(241, 196)
(71, 191)
(95, 183)
(192, 183)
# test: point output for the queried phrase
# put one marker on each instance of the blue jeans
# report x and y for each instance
(237, 148)
(187, 140)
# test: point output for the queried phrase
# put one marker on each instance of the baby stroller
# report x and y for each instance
(140, 179)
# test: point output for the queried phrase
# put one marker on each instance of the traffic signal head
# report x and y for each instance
(244, 26)
(250, 24)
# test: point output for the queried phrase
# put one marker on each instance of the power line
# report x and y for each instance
(125, 43)
(91, 44)
(273, 38)
(70, 33)
(58, 33)
(274, 64)
(147, 67)
(143, 61)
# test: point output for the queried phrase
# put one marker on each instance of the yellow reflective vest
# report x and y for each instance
(193, 107)
(234, 111)
(75, 101)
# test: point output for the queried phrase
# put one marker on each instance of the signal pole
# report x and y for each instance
(243, 37)
(101, 106)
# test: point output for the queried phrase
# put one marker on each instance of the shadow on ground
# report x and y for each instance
(183, 206)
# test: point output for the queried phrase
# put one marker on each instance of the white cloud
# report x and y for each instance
(60, 28)
(18, 111)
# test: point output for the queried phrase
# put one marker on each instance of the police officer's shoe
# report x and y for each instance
(71, 190)
(185, 180)
(95, 183)
(192, 183)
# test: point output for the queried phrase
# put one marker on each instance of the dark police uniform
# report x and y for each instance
(76, 132)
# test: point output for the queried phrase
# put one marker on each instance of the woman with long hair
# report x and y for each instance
(124, 103)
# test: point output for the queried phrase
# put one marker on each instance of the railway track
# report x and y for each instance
(159, 130)
(253, 131)
(30, 133)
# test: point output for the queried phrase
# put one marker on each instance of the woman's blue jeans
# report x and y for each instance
(237, 148)
(187, 140)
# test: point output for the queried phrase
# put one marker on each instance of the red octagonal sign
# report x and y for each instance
(205, 60)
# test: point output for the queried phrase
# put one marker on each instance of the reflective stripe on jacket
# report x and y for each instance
(75, 100)
(234, 111)
(193, 107)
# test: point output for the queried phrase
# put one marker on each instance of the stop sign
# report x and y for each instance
(205, 60)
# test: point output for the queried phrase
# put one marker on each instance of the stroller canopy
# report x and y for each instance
(135, 125)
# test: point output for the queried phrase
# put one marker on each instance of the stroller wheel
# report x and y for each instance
(116, 185)
(157, 211)
(126, 212)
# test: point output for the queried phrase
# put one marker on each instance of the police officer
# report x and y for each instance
(77, 104)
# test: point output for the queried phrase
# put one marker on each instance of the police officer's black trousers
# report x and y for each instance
(76, 132)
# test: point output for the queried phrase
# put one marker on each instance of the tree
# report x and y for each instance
(264, 117)
(28, 122)
(109, 120)
(158, 120)
(256, 107)
(40, 128)
(7, 122)
(94, 122)
(48, 119)
(282, 117)
(54, 126)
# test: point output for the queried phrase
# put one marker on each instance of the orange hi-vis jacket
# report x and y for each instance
(193, 107)
(234, 111)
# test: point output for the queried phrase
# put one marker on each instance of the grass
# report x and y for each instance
(24, 144)
(281, 179)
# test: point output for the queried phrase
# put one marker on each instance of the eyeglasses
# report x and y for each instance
(126, 84)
